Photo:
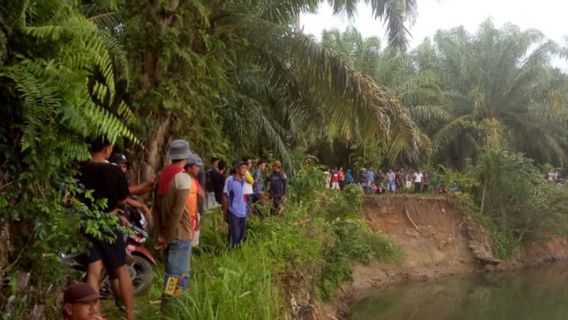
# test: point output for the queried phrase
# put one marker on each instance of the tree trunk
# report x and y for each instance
(483, 194)
(154, 158)
(161, 16)
(4, 247)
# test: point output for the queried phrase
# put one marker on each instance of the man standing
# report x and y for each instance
(425, 181)
(122, 162)
(216, 180)
(348, 177)
(193, 168)
(172, 219)
(249, 182)
(334, 179)
(399, 180)
(417, 181)
(341, 178)
(258, 186)
(209, 184)
(391, 177)
(234, 204)
(108, 182)
(258, 179)
(278, 184)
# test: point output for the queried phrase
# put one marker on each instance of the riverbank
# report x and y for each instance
(438, 239)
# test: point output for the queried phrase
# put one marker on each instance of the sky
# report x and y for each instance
(548, 16)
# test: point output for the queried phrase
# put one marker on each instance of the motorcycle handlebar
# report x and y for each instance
(142, 232)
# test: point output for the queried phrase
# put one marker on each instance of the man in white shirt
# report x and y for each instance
(417, 181)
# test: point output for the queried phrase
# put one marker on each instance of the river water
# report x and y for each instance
(534, 294)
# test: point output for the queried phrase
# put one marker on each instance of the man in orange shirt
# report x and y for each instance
(193, 167)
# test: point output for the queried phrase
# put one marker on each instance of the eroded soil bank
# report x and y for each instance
(438, 239)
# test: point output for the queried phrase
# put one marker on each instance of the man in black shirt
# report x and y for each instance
(108, 182)
(216, 180)
(277, 184)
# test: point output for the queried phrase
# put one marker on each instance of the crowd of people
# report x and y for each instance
(393, 181)
(182, 193)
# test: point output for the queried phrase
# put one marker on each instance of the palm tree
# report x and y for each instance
(397, 71)
(500, 92)
(242, 64)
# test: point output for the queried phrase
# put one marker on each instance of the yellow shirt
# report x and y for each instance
(248, 178)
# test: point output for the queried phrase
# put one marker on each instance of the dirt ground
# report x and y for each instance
(437, 240)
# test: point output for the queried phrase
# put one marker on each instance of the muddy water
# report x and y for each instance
(535, 294)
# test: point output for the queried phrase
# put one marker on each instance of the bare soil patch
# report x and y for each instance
(438, 239)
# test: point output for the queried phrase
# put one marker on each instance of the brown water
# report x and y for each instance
(534, 294)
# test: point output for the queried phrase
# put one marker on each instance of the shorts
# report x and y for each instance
(113, 255)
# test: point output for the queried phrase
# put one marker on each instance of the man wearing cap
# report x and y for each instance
(172, 220)
(193, 168)
(80, 303)
(278, 184)
(122, 162)
(234, 204)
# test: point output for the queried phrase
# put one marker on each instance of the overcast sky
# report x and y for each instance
(548, 16)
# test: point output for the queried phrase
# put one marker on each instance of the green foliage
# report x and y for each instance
(514, 193)
(350, 240)
(59, 85)
(509, 196)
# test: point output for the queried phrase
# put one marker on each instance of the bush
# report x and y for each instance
(508, 195)
(351, 241)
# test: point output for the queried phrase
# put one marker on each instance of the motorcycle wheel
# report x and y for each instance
(141, 274)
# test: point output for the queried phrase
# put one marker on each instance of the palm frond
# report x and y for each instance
(354, 102)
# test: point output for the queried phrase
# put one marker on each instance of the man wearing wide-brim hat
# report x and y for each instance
(172, 220)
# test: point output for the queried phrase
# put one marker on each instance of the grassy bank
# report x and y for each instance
(287, 263)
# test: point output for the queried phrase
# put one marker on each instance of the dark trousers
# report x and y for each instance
(276, 206)
(237, 230)
(417, 187)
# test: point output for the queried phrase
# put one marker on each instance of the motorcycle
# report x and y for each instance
(138, 259)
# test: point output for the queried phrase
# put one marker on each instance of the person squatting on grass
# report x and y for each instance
(172, 220)
(234, 203)
(108, 182)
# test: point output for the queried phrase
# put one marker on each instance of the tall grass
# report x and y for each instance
(308, 249)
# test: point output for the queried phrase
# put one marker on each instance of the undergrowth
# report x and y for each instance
(305, 253)
(503, 243)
